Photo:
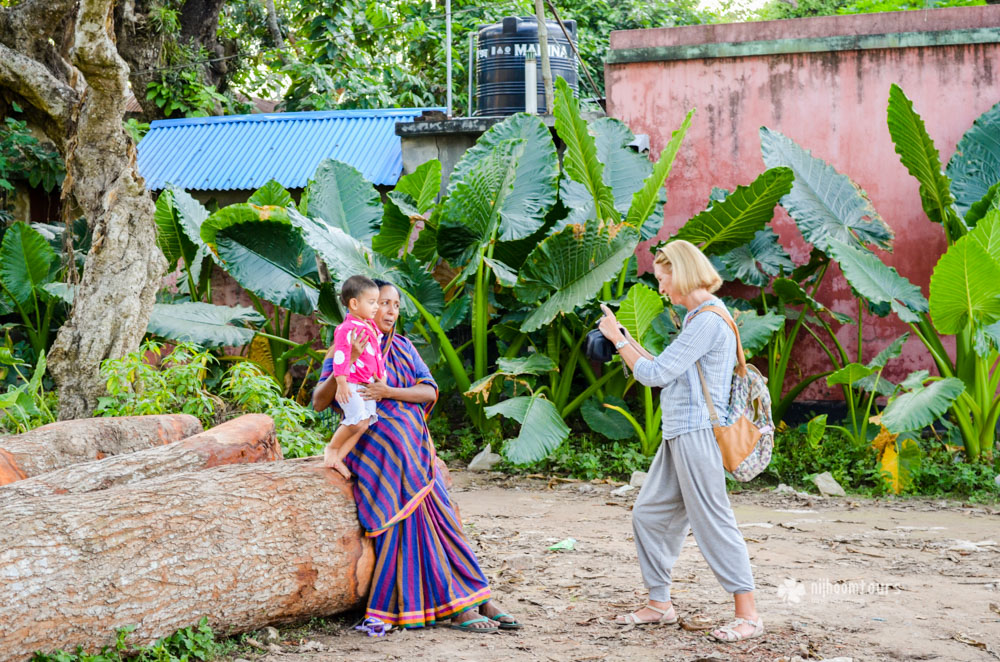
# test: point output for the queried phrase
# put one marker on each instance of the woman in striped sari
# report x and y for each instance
(425, 570)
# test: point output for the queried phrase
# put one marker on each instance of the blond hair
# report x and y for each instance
(689, 267)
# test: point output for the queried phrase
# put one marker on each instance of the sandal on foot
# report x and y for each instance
(470, 626)
(632, 619)
(730, 635)
(512, 624)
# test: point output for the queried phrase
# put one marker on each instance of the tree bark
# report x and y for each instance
(243, 440)
(66, 443)
(244, 545)
(124, 265)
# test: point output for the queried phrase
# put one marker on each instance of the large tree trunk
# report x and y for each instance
(124, 265)
(65, 443)
(243, 440)
(244, 545)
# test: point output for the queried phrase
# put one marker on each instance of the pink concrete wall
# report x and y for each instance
(832, 103)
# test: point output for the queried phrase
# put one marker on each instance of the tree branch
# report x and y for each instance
(38, 86)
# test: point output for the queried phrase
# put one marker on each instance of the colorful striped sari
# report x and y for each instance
(424, 567)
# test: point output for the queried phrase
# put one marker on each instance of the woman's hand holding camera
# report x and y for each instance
(610, 327)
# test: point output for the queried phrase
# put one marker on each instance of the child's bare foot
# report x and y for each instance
(341, 468)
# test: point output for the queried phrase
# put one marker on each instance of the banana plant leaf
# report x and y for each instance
(534, 175)
(580, 161)
(605, 421)
(965, 286)
(824, 203)
(204, 324)
(473, 214)
(341, 197)
(734, 221)
(640, 307)
(542, 429)
(975, 165)
(408, 203)
(922, 405)
(647, 203)
(920, 157)
(877, 282)
(755, 263)
(271, 194)
(570, 267)
(273, 261)
(26, 262)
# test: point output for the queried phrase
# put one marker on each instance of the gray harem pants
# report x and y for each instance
(687, 485)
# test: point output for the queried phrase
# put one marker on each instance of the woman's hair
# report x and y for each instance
(354, 286)
(383, 283)
(689, 266)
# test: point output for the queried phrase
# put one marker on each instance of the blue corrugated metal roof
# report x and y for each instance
(247, 151)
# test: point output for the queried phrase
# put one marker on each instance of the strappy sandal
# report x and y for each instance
(730, 635)
(469, 626)
(632, 619)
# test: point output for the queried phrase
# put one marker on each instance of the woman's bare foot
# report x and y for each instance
(471, 615)
(495, 612)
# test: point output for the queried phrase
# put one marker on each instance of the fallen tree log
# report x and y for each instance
(244, 545)
(243, 440)
(65, 443)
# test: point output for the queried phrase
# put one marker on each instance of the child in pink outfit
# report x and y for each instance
(360, 296)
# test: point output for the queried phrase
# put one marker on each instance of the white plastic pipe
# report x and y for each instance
(530, 84)
(447, 50)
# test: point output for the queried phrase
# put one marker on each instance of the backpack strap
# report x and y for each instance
(741, 369)
(712, 415)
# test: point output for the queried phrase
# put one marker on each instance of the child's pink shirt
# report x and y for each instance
(370, 363)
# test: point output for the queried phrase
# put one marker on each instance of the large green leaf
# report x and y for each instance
(26, 262)
(792, 294)
(893, 351)
(271, 260)
(849, 374)
(203, 323)
(922, 406)
(605, 421)
(756, 330)
(472, 215)
(534, 177)
(238, 214)
(639, 309)
(542, 429)
(734, 221)
(572, 264)
(170, 235)
(756, 262)
(978, 210)
(920, 157)
(824, 203)
(580, 160)
(342, 253)
(271, 194)
(975, 165)
(422, 185)
(341, 196)
(987, 233)
(875, 281)
(625, 170)
(647, 198)
(965, 285)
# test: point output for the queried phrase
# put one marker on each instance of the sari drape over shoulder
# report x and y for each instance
(425, 569)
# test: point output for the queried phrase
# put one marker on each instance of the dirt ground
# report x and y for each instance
(836, 578)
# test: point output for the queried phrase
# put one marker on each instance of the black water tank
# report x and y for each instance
(500, 63)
